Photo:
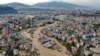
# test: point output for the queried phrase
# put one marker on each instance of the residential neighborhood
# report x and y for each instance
(50, 28)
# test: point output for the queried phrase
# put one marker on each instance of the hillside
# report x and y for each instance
(44, 5)
(56, 5)
(7, 10)
(16, 5)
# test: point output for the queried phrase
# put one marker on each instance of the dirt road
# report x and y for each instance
(44, 51)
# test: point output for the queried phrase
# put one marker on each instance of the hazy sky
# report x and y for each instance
(30, 2)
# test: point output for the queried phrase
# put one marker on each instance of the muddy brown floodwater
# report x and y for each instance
(44, 51)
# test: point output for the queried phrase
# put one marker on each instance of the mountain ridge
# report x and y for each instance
(45, 5)
(7, 10)
(54, 4)
(16, 5)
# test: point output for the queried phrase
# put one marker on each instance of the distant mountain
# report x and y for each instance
(16, 5)
(44, 5)
(57, 5)
(33, 9)
(7, 10)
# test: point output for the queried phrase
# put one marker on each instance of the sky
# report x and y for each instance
(31, 2)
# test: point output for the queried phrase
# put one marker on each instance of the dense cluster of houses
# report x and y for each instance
(15, 44)
(78, 32)
(11, 42)
(17, 22)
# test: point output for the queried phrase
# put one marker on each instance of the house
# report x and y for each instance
(74, 50)
(85, 36)
(46, 42)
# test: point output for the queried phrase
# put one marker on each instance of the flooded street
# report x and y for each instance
(44, 51)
